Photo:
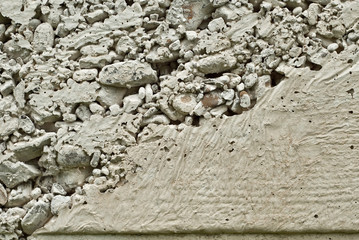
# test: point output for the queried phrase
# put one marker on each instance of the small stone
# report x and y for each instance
(85, 75)
(3, 195)
(131, 103)
(250, 80)
(26, 124)
(240, 87)
(297, 11)
(57, 189)
(35, 193)
(216, 25)
(59, 202)
(72, 156)
(175, 46)
(245, 100)
(36, 217)
(109, 95)
(332, 47)
(13, 173)
(43, 37)
(228, 94)
(184, 103)
(149, 93)
(19, 196)
(105, 171)
(95, 159)
(127, 74)
(156, 119)
(96, 16)
(83, 112)
(218, 111)
(25, 151)
(142, 93)
(216, 63)
(115, 109)
(191, 35)
(96, 108)
(7, 87)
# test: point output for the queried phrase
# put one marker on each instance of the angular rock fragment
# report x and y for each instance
(19, 196)
(85, 75)
(189, 13)
(58, 189)
(13, 173)
(19, 11)
(26, 124)
(84, 92)
(59, 202)
(216, 63)
(43, 37)
(72, 178)
(108, 95)
(131, 16)
(96, 16)
(25, 151)
(8, 126)
(132, 73)
(245, 100)
(184, 103)
(83, 112)
(7, 87)
(72, 156)
(19, 48)
(36, 217)
(3, 195)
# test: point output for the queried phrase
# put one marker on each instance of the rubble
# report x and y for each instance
(127, 74)
(13, 173)
(81, 81)
(36, 217)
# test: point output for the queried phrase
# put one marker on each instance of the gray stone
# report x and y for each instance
(43, 37)
(19, 196)
(216, 63)
(13, 173)
(189, 13)
(184, 103)
(26, 124)
(59, 202)
(36, 217)
(132, 73)
(3, 195)
(72, 156)
(108, 95)
(25, 151)
(85, 75)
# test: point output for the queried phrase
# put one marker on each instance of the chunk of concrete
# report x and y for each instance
(3, 195)
(85, 75)
(19, 196)
(108, 95)
(25, 151)
(189, 13)
(132, 73)
(36, 217)
(184, 103)
(43, 37)
(59, 202)
(72, 156)
(14, 173)
(216, 63)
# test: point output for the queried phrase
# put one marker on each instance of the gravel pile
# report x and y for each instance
(83, 80)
